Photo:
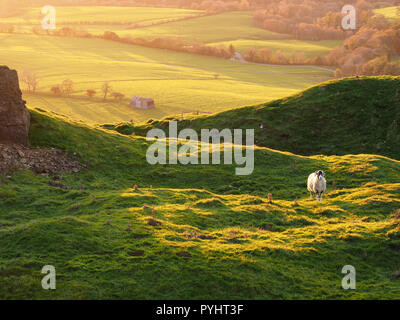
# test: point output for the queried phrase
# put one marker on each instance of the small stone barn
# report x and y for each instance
(142, 103)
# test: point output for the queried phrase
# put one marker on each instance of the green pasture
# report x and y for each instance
(196, 231)
(228, 26)
(287, 47)
(178, 82)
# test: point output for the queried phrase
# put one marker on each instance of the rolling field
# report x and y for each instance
(230, 26)
(177, 81)
(93, 14)
(287, 47)
(216, 28)
(121, 228)
(390, 13)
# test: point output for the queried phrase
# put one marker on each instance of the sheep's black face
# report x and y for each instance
(320, 174)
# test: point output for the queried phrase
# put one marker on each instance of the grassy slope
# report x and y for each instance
(222, 27)
(177, 81)
(300, 257)
(287, 47)
(315, 121)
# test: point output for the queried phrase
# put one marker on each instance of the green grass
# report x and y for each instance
(216, 28)
(94, 111)
(176, 81)
(234, 256)
(94, 14)
(337, 117)
(389, 12)
(287, 47)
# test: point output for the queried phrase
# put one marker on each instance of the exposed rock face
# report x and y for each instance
(14, 117)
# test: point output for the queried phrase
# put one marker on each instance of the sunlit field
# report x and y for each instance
(138, 22)
(215, 28)
(176, 81)
(287, 47)
(95, 15)
(207, 29)
(390, 13)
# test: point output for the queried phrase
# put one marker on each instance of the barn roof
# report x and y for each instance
(142, 99)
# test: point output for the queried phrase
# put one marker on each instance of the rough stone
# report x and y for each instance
(40, 161)
(14, 116)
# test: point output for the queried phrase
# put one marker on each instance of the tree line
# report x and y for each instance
(168, 43)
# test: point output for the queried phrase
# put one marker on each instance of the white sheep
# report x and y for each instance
(316, 184)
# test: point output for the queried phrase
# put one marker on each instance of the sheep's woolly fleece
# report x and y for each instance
(39, 161)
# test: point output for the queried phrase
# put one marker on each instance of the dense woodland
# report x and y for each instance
(369, 50)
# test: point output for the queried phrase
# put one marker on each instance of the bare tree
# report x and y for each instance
(30, 78)
(106, 89)
(90, 93)
(56, 89)
(67, 86)
(232, 50)
(117, 96)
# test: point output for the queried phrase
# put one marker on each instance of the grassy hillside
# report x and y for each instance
(217, 237)
(176, 81)
(222, 27)
(287, 47)
(337, 117)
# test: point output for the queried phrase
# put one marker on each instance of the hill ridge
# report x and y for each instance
(313, 121)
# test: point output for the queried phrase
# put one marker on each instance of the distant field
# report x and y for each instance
(65, 15)
(94, 110)
(389, 12)
(177, 81)
(287, 47)
(216, 28)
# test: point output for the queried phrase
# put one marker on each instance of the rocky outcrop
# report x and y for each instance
(14, 117)
(39, 161)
